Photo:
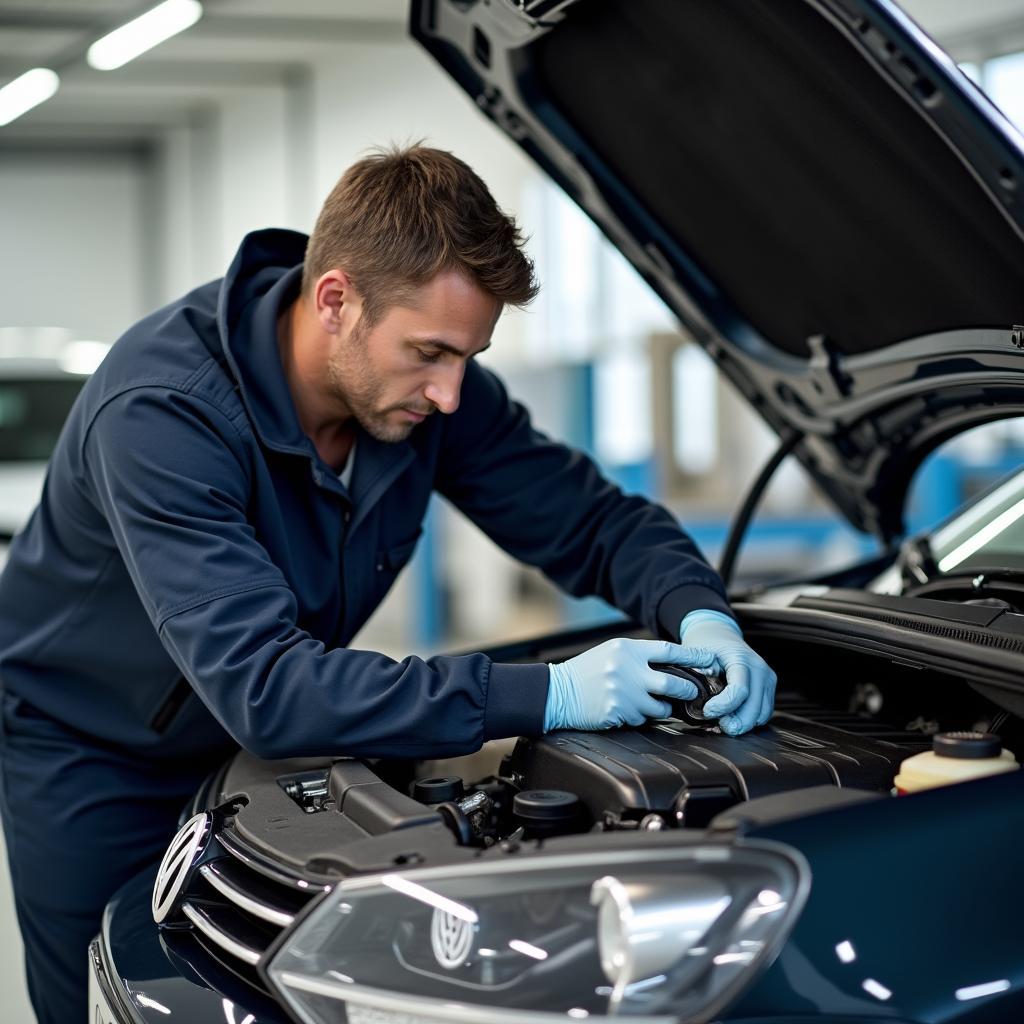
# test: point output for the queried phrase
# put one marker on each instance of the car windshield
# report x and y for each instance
(988, 533)
(32, 411)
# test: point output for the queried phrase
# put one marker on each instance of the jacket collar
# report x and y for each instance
(264, 277)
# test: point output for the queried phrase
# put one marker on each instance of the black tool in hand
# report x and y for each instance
(691, 711)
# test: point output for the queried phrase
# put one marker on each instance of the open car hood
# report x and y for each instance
(827, 203)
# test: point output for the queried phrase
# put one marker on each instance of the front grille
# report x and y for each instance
(237, 910)
(250, 893)
(219, 928)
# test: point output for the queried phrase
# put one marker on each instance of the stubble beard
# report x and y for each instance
(354, 382)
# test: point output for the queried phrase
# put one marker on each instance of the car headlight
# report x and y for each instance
(665, 933)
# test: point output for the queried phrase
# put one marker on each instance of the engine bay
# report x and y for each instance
(845, 720)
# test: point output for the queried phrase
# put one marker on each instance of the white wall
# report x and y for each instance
(73, 251)
(374, 94)
(221, 174)
(254, 166)
(186, 222)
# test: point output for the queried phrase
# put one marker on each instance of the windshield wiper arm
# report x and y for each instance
(916, 562)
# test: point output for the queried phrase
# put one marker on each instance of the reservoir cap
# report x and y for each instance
(540, 807)
(967, 746)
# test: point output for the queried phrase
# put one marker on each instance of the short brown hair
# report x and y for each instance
(401, 215)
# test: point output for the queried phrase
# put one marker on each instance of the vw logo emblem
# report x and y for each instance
(451, 939)
(176, 866)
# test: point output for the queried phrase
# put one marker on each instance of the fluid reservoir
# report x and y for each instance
(954, 757)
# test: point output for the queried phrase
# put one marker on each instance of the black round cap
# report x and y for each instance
(545, 805)
(437, 790)
(967, 746)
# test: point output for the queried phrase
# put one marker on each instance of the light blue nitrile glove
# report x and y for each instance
(749, 696)
(611, 684)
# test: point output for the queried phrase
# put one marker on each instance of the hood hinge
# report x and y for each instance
(826, 368)
(546, 11)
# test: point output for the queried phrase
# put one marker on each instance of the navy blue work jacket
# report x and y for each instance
(195, 573)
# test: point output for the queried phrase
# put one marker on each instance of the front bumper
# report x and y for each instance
(137, 975)
(104, 1005)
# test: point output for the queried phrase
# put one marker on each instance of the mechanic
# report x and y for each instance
(233, 494)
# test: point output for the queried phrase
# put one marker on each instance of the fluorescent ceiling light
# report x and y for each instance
(977, 991)
(143, 33)
(82, 357)
(25, 92)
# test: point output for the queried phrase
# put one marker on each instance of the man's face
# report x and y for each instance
(410, 364)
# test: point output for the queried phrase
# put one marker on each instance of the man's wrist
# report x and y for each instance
(679, 602)
(701, 616)
(553, 711)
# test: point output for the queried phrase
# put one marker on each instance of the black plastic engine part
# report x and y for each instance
(697, 806)
(371, 804)
(770, 810)
(470, 818)
(692, 710)
(437, 790)
(689, 775)
(478, 808)
(370, 826)
(458, 823)
(548, 812)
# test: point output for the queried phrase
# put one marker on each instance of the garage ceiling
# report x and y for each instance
(237, 44)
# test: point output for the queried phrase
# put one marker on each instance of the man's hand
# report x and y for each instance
(749, 697)
(611, 684)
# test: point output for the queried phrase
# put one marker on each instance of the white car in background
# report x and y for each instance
(41, 372)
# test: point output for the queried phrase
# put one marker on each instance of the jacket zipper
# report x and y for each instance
(340, 628)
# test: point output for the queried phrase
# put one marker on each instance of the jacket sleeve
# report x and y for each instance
(549, 506)
(170, 473)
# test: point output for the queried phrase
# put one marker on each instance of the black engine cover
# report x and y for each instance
(690, 774)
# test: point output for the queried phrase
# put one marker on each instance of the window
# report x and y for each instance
(1003, 80)
(32, 412)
